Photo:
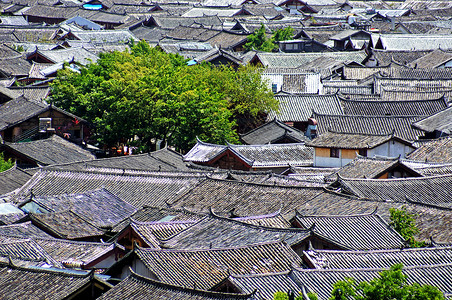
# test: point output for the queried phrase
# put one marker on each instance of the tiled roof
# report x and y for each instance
(432, 59)
(137, 190)
(99, 207)
(421, 83)
(172, 22)
(275, 220)
(36, 283)
(415, 42)
(385, 57)
(360, 232)
(79, 55)
(272, 132)
(203, 12)
(73, 253)
(23, 230)
(13, 179)
(431, 191)
(214, 232)
(206, 268)
(137, 287)
(151, 232)
(160, 160)
(27, 250)
(66, 225)
(321, 281)
(365, 167)
(393, 108)
(19, 110)
(403, 94)
(345, 140)
(52, 150)
(439, 150)
(256, 156)
(440, 122)
(399, 125)
(337, 259)
(102, 37)
(299, 108)
(245, 199)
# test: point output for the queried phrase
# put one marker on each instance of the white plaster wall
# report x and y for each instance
(391, 149)
(330, 162)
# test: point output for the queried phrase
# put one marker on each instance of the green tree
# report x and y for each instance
(283, 34)
(390, 284)
(405, 224)
(147, 95)
(259, 40)
(5, 164)
(285, 296)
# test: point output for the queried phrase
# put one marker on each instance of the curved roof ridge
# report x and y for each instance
(249, 246)
(182, 288)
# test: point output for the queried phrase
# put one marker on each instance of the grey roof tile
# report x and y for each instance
(299, 108)
(208, 267)
(141, 288)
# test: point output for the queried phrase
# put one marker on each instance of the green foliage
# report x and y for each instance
(405, 224)
(259, 41)
(312, 296)
(391, 284)
(283, 34)
(5, 164)
(146, 95)
(285, 296)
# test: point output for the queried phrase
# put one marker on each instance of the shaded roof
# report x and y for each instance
(100, 207)
(431, 191)
(337, 259)
(75, 54)
(299, 108)
(360, 232)
(104, 37)
(208, 267)
(439, 150)
(66, 225)
(345, 140)
(440, 121)
(298, 60)
(172, 21)
(432, 59)
(52, 150)
(136, 189)
(18, 110)
(272, 132)
(35, 283)
(385, 57)
(245, 199)
(161, 160)
(74, 254)
(141, 288)
(420, 83)
(23, 230)
(256, 156)
(410, 42)
(393, 108)
(215, 232)
(399, 125)
(366, 167)
(13, 179)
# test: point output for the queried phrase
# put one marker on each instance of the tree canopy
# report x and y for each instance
(147, 95)
(390, 284)
(259, 40)
(5, 164)
(405, 224)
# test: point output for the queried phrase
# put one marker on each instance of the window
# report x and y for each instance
(362, 152)
(44, 124)
(334, 152)
(274, 88)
